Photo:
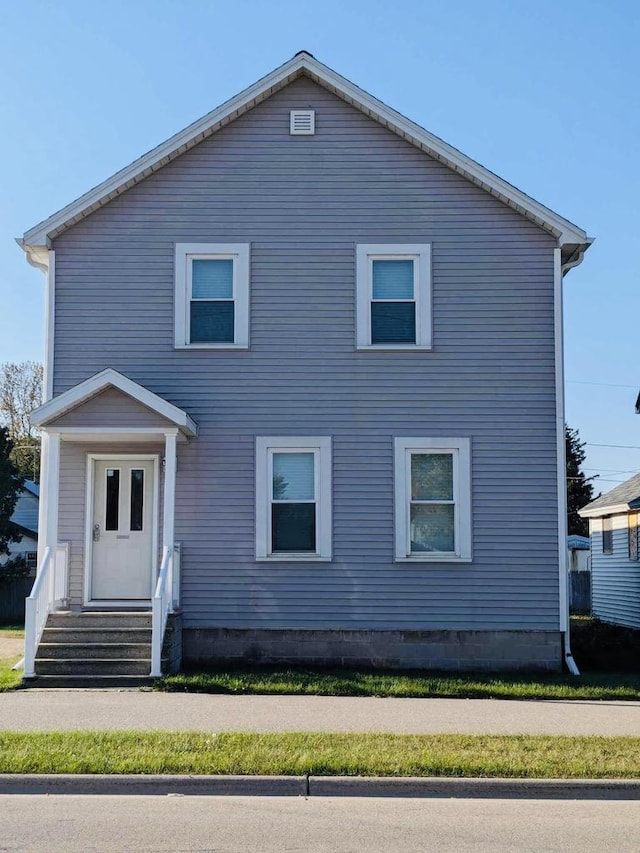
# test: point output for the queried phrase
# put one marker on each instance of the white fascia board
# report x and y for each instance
(601, 511)
(111, 378)
(565, 231)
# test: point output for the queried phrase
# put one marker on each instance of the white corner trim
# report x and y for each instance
(110, 377)
(563, 579)
(462, 496)
(420, 253)
(302, 63)
(321, 445)
(49, 327)
(239, 253)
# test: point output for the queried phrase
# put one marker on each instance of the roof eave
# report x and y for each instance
(596, 512)
(567, 234)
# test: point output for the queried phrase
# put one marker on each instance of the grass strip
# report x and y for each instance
(9, 679)
(300, 681)
(294, 754)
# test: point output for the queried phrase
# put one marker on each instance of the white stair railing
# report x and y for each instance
(162, 605)
(37, 608)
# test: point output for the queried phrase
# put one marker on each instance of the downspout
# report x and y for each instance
(562, 466)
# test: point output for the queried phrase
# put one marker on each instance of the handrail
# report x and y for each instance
(37, 609)
(161, 606)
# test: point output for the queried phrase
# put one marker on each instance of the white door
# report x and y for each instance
(122, 529)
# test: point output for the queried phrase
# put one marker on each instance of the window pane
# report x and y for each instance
(212, 279)
(392, 279)
(431, 477)
(293, 527)
(212, 322)
(112, 499)
(432, 528)
(633, 535)
(137, 499)
(393, 323)
(293, 477)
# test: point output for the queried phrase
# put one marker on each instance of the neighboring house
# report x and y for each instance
(579, 548)
(322, 350)
(25, 517)
(615, 558)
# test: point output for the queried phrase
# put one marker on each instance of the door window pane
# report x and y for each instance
(293, 527)
(212, 278)
(431, 477)
(392, 279)
(432, 528)
(293, 477)
(112, 499)
(393, 323)
(137, 499)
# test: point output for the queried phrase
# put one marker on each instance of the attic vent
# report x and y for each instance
(302, 122)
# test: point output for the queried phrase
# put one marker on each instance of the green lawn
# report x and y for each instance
(9, 679)
(299, 681)
(293, 754)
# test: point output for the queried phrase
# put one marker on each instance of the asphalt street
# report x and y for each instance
(33, 710)
(267, 825)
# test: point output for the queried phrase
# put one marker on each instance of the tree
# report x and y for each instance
(579, 486)
(20, 394)
(10, 486)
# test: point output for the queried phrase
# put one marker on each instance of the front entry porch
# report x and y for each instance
(107, 554)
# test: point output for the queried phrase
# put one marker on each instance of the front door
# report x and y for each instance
(122, 530)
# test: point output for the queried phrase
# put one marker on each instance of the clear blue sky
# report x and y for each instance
(545, 94)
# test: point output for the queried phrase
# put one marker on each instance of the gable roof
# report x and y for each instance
(624, 497)
(36, 240)
(110, 378)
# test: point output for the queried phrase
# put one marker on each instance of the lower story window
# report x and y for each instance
(293, 498)
(433, 499)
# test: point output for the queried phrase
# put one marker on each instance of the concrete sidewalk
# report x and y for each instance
(48, 710)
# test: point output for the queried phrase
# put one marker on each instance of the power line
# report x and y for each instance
(621, 446)
(601, 384)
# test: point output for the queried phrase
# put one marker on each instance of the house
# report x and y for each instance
(304, 370)
(615, 567)
(25, 518)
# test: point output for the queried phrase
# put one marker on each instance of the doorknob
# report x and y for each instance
(96, 532)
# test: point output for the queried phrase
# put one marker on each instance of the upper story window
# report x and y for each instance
(633, 520)
(433, 499)
(212, 295)
(393, 296)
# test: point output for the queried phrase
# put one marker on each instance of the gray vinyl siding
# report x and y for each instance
(615, 579)
(303, 203)
(73, 500)
(112, 408)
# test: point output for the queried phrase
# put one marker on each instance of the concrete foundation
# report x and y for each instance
(441, 650)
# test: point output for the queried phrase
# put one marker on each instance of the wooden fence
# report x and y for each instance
(13, 592)
(580, 592)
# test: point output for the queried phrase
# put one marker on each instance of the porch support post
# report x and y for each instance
(49, 494)
(168, 521)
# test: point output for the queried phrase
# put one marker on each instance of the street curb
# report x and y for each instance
(320, 786)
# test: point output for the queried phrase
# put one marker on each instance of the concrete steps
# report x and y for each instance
(94, 649)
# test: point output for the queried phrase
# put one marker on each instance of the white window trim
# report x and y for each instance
(184, 254)
(321, 447)
(418, 252)
(461, 448)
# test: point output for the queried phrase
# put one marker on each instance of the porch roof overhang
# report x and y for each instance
(178, 419)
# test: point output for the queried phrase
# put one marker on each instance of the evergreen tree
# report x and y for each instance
(10, 485)
(579, 486)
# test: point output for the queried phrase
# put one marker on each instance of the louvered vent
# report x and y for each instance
(302, 122)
